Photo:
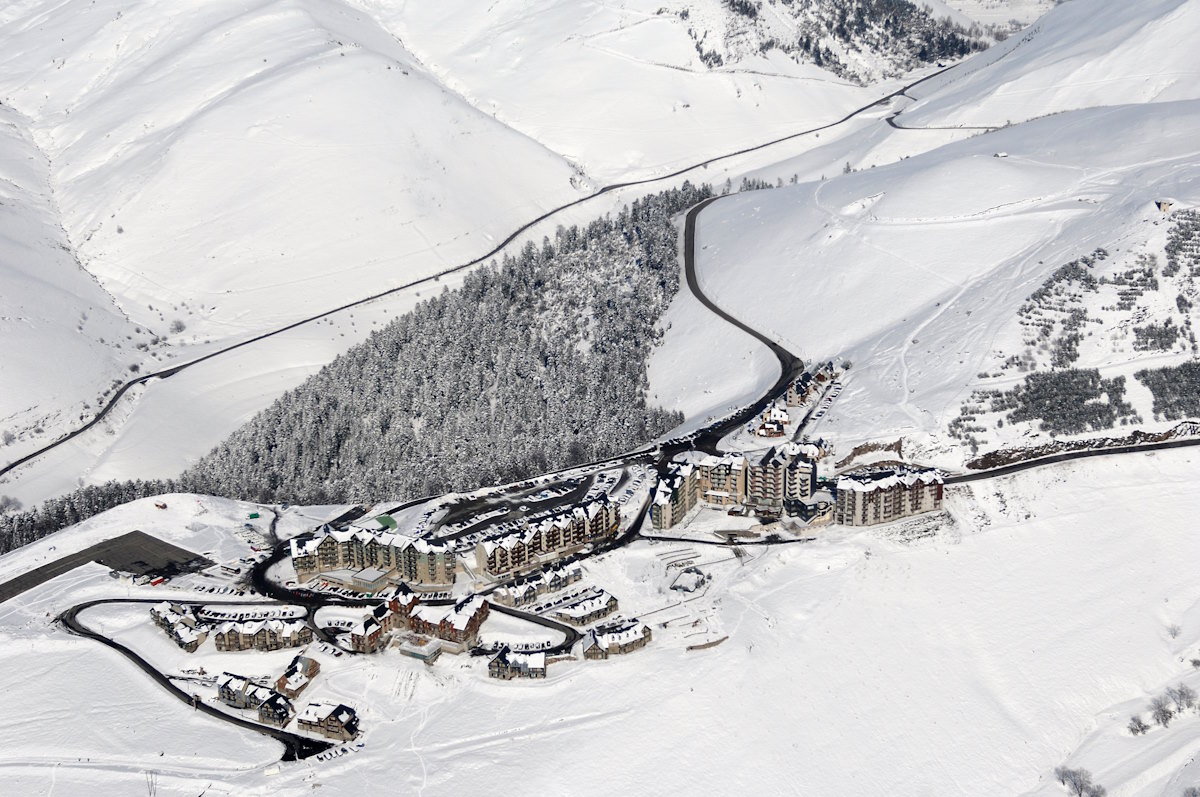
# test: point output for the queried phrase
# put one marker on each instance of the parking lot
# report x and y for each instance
(135, 552)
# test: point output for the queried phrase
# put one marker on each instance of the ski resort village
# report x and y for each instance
(512, 582)
(737, 397)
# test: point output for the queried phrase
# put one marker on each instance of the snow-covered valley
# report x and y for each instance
(959, 265)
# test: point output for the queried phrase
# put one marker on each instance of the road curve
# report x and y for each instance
(790, 365)
(166, 373)
(571, 634)
(296, 746)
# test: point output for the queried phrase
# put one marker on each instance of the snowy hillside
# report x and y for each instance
(1086, 53)
(223, 171)
(62, 338)
(914, 271)
(710, 75)
(920, 271)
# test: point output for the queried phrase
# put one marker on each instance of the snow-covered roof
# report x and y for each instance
(380, 536)
(621, 632)
(587, 605)
(886, 479)
(283, 627)
(320, 711)
(522, 661)
(459, 615)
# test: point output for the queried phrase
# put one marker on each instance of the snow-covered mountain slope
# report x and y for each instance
(914, 271)
(61, 336)
(917, 271)
(619, 87)
(1085, 53)
(224, 170)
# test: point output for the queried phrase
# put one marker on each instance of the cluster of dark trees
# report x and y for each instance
(1070, 401)
(1079, 782)
(1183, 243)
(898, 29)
(1165, 707)
(1156, 337)
(536, 363)
(1176, 390)
(21, 528)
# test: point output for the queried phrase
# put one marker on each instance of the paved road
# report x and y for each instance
(167, 373)
(296, 746)
(790, 365)
(1067, 456)
(571, 634)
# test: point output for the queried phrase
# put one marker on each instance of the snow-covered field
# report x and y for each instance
(975, 650)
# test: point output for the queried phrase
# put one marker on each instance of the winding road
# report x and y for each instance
(166, 373)
(790, 365)
(296, 746)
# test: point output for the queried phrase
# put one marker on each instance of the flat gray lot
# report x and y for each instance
(134, 552)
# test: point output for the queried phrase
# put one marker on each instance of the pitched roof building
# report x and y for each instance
(507, 665)
(332, 720)
(616, 638)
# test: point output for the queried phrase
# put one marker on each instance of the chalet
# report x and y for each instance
(587, 608)
(332, 720)
(508, 665)
(180, 622)
(234, 690)
(297, 676)
(1164, 205)
(770, 429)
(614, 639)
(275, 710)
(374, 558)
(271, 634)
(457, 626)
(881, 496)
(366, 636)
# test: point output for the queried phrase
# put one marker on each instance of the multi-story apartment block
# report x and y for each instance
(721, 481)
(676, 494)
(882, 496)
(395, 556)
(780, 474)
(457, 626)
(537, 540)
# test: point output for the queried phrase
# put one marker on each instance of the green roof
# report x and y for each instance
(387, 521)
